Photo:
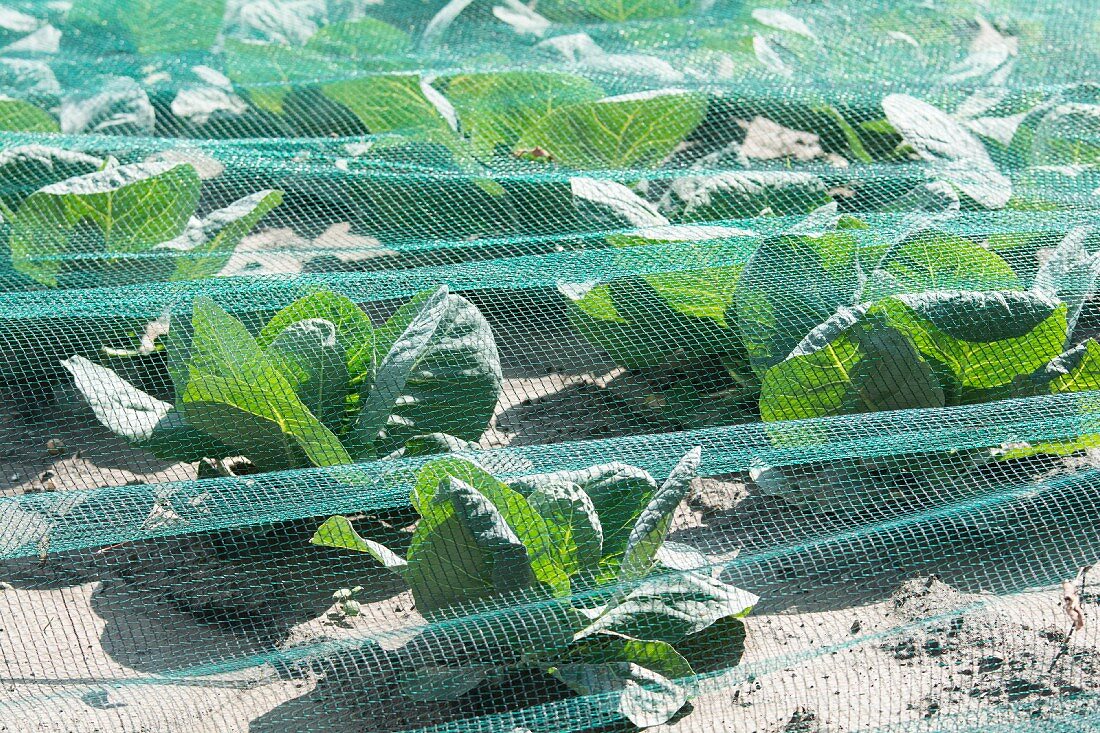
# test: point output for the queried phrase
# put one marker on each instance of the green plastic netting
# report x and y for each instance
(546, 366)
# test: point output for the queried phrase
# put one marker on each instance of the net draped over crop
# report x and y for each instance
(563, 365)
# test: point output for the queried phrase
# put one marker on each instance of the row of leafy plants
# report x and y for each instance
(808, 330)
(593, 596)
(565, 574)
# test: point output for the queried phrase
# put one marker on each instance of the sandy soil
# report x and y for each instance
(927, 652)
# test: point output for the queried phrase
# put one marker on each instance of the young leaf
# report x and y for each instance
(523, 520)
(572, 522)
(671, 607)
(310, 357)
(629, 131)
(337, 532)
(234, 391)
(263, 418)
(789, 286)
(652, 526)
(442, 375)
(509, 565)
(354, 331)
(644, 697)
(618, 492)
(127, 209)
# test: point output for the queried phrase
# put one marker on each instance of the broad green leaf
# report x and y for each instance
(653, 524)
(139, 418)
(269, 72)
(573, 524)
(386, 335)
(366, 40)
(986, 339)
(618, 492)
(396, 103)
(221, 345)
(234, 393)
(497, 108)
(644, 697)
(671, 607)
(938, 261)
(312, 360)
(1069, 134)
(853, 362)
(630, 131)
(19, 116)
(508, 565)
(1078, 370)
(338, 533)
(208, 243)
(953, 152)
(789, 286)
(656, 656)
(743, 194)
(353, 328)
(657, 318)
(513, 507)
(269, 425)
(442, 375)
(150, 26)
(123, 210)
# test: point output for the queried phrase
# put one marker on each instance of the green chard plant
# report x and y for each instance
(126, 224)
(939, 322)
(615, 609)
(823, 321)
(319, 385)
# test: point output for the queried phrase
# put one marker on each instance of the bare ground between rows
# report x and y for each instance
(927, 653)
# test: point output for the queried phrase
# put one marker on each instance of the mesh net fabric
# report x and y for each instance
(555, 366)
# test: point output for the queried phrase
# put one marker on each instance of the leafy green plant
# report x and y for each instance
(127, 224)
(931, 327)
(633, 613)
(319, 385)
(913, 338)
